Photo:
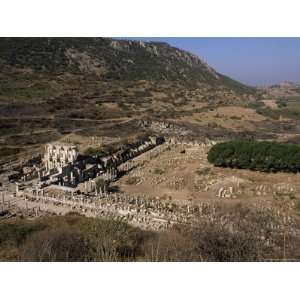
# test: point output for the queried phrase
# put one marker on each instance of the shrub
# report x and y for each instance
(268, 112)
(254, 155)
(298, 206)
(281, 103)
(132, 180)
(69, 238)
(5, 151)
(203, 171)
(15, 234)
(247, 237)
(158, 171)
(55, 245)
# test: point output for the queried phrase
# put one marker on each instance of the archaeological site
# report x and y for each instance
(125, 150)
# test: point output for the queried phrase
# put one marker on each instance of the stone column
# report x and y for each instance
(96, 192)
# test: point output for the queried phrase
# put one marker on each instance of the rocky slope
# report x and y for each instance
(50, 87)
(111, 59)
(281, 90)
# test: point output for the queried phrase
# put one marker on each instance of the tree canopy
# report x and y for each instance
(255, 155)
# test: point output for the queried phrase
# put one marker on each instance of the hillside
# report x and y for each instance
(109, 59)
(283, 89)
(107, 97)
(109, 71)
(52, 87)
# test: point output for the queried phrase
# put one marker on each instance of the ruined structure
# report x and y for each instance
(145, 211)
(58, 155)
(64, 168)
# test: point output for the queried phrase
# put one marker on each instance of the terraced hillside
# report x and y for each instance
(52, 87)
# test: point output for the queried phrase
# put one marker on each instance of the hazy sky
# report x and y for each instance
(254, 61)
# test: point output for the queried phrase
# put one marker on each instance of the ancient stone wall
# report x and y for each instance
(141, 211)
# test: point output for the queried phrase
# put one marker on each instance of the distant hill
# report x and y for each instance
(109, 59)
(288, 84)
(53, 87)
(282, 90)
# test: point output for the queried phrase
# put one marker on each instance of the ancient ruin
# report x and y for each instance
(65, 180)
(64, 168)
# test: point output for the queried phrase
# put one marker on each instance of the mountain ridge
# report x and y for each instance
(108, 87)
(111, 59)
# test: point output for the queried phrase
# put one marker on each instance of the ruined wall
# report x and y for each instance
(141, 211)
(59, 155)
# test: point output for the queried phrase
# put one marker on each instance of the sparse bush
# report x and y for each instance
(268, 112)
(5, 151)
(213, 243)
(235, 118)
(281, 103)
(69, 238)
(158, 171)
(55, 245)
(16, 233)
(169, 246)
(298, 206)
(78, 238)
(132, 180)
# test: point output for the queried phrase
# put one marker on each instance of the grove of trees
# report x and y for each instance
(256, 155)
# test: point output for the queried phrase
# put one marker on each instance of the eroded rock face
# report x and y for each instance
(114, 60)
(163, 50)
(86, 63)
(165, 127)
